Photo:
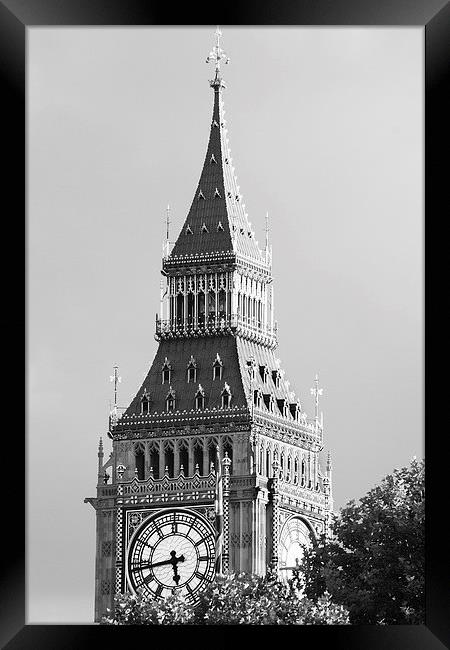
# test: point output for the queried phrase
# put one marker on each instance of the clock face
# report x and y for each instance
(172, 551)
(295, 536)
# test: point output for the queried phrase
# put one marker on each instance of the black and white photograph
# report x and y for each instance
(225, 341)
(225, 371)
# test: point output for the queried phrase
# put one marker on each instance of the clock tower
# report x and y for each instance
(215, 392)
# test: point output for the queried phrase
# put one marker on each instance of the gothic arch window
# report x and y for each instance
(211, 305)
(268, 464)
(296, 470)
(170, 400)
(183, 455)
(169, 458)
(276, 378)
(180, 308)
(217, 367)
(154, 461)
(261, 461)
(190, 307)
(198, 456)
(188, 230)
(139, 460)
(269, 401)
(192, 370)
(212, 453)
(226, 396)
(257, 398)
(303, 472)
(251, 369)
(295, 410)
(263, 371)
(222, 304)
(145, 403)
(282, 406)
(289, 468)
(200, 398)
(201, 307)
(227, 448)
(166, 372)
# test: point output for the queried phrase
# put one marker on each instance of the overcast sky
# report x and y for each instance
(326, 133)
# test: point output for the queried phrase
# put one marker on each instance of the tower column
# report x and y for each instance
(275, 514)
(190, 469)
(226, 514)
(205, 457)
(161, 459)
(176, 457)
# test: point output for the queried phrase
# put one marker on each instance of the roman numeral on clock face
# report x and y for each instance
(148, 578)
(158, 590)
(203, 558)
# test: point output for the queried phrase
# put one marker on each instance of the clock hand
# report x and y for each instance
(173, 560)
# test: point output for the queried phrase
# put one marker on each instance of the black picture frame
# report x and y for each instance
(15, 16)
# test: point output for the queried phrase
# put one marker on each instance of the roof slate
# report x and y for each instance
(234, 352)
(217, 199)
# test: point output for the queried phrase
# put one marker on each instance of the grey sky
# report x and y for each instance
(326, 132)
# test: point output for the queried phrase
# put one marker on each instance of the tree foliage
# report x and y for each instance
(374, 562)
(234, 599)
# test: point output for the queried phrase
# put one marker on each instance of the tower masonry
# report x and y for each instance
(214, 383)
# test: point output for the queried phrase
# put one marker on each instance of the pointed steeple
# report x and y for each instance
(217, 223)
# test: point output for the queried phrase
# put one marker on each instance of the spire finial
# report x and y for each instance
(116, 379)
(316, 391)
(167, 229)
(216, 55)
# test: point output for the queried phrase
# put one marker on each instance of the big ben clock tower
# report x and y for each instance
(215, 388)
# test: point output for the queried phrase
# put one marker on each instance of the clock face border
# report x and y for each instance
(285, 532)
(199, 579)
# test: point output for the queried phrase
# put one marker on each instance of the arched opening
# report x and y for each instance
(227, 447)
(222, 304)
(184, 460)
(212, 456)
(145, 405)
(200, 401)
(169, 460)
(201, 308)
(198, 457)
(140, 464)
(211, 306)
(180, 309)
(154, 462)
(268, 464)
(190, 309)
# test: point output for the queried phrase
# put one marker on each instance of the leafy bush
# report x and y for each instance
(234, 599)
(138, 610)
(374, 562)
